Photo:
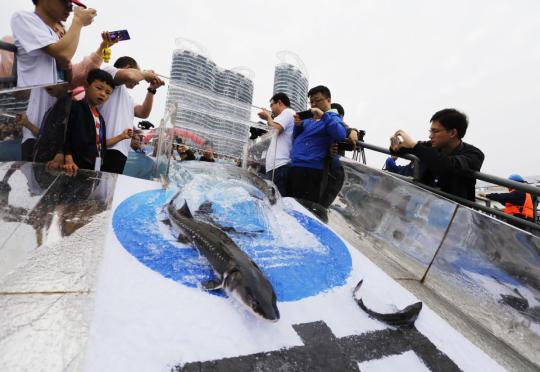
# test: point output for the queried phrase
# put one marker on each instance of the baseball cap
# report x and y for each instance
(78, 3)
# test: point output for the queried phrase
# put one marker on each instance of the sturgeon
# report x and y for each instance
(404, 318)
(237, 274)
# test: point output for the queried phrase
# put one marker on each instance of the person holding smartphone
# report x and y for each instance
(312, 138)
(43, 57)
(279, 150)
(445, 160)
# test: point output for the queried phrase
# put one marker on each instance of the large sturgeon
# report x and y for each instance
(237, 274)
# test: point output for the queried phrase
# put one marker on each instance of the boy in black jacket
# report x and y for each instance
(51, 138)
(86, 132)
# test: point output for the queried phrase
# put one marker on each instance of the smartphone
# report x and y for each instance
(121, 35)
(305, 114)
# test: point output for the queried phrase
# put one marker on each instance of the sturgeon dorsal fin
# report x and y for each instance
(184, 211)
(206, 207)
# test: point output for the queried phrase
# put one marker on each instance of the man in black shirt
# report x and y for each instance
(445, 160)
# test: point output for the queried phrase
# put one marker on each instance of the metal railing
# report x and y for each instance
(413, 158)
(9, 81)
(533, 190)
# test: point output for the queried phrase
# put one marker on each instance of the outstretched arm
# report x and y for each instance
(93, 60)
(265, 115)
(133, 76)
(143, 111)
(516, 197)
(126, 134)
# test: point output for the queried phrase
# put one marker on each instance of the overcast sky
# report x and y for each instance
(390, 63)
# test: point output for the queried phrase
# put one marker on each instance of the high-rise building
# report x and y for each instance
(212, 102)
(290, 77)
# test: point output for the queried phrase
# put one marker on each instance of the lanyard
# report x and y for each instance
(99, 130)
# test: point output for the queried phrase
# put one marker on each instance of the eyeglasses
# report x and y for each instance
(435, 131)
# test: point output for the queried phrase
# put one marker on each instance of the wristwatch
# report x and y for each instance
(151, 90)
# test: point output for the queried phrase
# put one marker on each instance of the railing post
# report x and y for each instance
(416, 171)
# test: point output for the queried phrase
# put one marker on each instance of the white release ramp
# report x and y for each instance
(92, 279)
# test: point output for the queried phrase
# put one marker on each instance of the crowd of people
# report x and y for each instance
(87, 123)
(303, 159)
(306, 164)
(182, 152)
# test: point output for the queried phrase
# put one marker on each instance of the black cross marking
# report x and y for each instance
(322, 351)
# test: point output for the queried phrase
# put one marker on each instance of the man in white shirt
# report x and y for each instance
(278, 153)
(120, 110)
(41, 55)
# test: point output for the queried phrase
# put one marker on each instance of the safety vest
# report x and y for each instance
(525, 210)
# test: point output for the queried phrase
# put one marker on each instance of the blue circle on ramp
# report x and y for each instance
(294, 273)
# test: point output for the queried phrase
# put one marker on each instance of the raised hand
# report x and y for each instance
(84, 16)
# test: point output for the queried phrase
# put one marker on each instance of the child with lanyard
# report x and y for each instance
(86, 131)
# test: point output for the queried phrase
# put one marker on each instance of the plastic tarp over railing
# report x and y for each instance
(485, 268)
(210, 124)
(164, 142)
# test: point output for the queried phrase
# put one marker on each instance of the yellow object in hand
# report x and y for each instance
(106, 54)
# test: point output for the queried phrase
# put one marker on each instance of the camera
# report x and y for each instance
(256, 132)
(308, 114)
(145, 125)
(345, 145)
(361, 134)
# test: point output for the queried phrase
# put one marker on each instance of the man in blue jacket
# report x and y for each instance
(311, 141)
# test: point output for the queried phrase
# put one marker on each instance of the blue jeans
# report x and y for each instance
(280, 178)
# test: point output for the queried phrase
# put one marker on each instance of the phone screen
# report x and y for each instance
(120, 34)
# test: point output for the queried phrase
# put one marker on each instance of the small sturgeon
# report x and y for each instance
(404, 318)
(237, 274)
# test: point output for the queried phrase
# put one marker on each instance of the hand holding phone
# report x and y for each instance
(119, 35)
(303, 115)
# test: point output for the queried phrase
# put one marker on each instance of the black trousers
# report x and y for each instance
(280, 178)
(27, 149)
(305, 183)
(113, 162)
(336, 177)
